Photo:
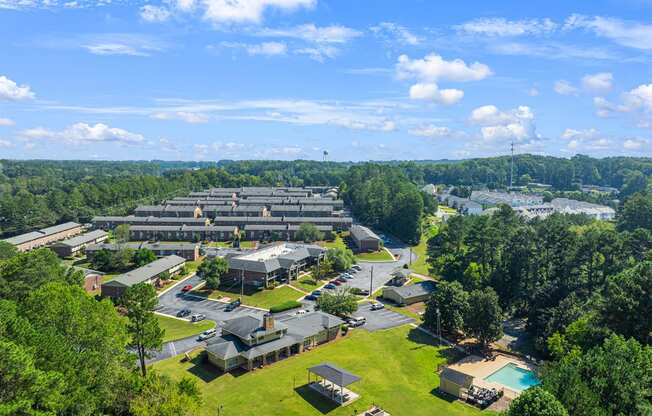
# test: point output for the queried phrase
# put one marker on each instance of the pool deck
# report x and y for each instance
(480, 368)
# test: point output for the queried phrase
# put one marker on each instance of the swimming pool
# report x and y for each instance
(514, 377)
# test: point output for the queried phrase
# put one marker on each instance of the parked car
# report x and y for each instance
(329, 286)
(198, 317)
(341, 279)
(300, 312)
(357, 321)
(356, 267)
(316, 293)
(347, 276)
(311, 297)
(209, 333)
(231, 306)
(336, 282)
(363, 292)
(184, 312)
(376, 306)
(352, 270)
(186, 288)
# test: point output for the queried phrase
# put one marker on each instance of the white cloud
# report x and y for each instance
(122, 44)
(639, 97)
(564, 87)
(434, 68)
(84, 133)
(6, 122)
(11, 91)
(312, 33)
(5, 143)
(598, 83)
(265, 48)
(430, 130)
(150, 13)
(533, 92)
(319, 53)
(626, 33)
(248, 11)
(516, 124)
(499, 26)
(394, 33)
(586, 139)
(552, 50)
(188, 117)
(430, 91)
(632, 144)
(637, 101)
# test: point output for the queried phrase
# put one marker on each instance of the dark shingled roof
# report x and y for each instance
(363, 233)
(417, 289)
(334, 374)
(456, 377)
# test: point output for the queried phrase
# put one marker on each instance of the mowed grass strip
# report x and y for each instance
(265, 298)
(380, 255)
(177, 329)
(397, 368)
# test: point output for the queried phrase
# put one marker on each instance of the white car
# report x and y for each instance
(300, 312)
(209, 333)
(377, 306)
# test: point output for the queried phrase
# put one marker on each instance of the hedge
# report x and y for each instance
(290, 304)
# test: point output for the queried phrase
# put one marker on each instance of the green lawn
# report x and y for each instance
(381, 255)
(420, 265)
(177, 329)
(221, 244)
(397, 368)
(262, 299)
(338, 242)
(307, 283)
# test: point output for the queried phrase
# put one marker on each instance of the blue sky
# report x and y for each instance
(289, 79)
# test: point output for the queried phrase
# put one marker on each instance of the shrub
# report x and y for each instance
(290, 304)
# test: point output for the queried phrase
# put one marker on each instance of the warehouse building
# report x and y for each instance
(45, 236)
(75, 245)
(149, 273)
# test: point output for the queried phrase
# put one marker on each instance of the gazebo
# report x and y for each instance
(329, 378)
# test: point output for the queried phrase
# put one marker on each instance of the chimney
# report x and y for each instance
(268, 322)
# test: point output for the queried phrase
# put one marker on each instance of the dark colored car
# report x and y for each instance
(231, 306)
(311, 297)
(329, 286)
(184, 312)
(336, 283)
(341, 279)
(316, 293)
(186, 288)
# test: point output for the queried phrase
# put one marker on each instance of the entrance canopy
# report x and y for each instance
(334, 374)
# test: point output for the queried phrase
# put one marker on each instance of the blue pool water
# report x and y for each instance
(514, 377)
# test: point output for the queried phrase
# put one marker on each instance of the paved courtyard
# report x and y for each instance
(381, 319)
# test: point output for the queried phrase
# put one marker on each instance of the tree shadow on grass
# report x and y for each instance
(316, 400)
(423, 339)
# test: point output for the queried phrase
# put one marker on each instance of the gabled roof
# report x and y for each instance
(249, 327)
(147, 272)
(363, 233)
(334, 374)
(418, 289)
(456, 377)
(83, 239)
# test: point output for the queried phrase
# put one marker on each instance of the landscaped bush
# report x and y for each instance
(290, 304)
(356, 291)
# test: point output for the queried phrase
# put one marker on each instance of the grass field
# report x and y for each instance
(397, 368)
(177, 329)
(420, 265)
(307, 283)
(381, 255)
(338, 242)
(262, 299)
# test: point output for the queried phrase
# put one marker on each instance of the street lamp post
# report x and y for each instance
(438, 328)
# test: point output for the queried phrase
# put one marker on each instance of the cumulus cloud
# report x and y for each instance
(564, 87)
(248, 11)
(150, 13)
(626, 33)
(394, 33)
(311, 33)
(188, 117)
(5, 143)
(516, 124)
(84, 133)
(6, 122)
(586, 139)
(435, 68)
(430, 91)
(11, 91)
(637, 101)
(430, 130)
(598, 83)
(499, 26)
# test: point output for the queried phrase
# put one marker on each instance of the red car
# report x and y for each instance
(336, 283)
(186, 288)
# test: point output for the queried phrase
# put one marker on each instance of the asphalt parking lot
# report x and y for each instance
(381, 319)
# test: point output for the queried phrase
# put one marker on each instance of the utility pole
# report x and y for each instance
(371, 283)
(241, 283)
(410, 256)
(438, 328)
(511, 169)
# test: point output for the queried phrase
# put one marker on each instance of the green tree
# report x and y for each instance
(7, 250)
(536, 401)
(121, 233)
(323, 269)
(122, 259)
(341, 258)
(472, 277)
(102, 260)
(308, 233)
(161, 396)
(212, 270)
(340, 303)
(484, 316)
(140, 302)
(143, 256)
(453, 304)
(636, 212)
(627, 303)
